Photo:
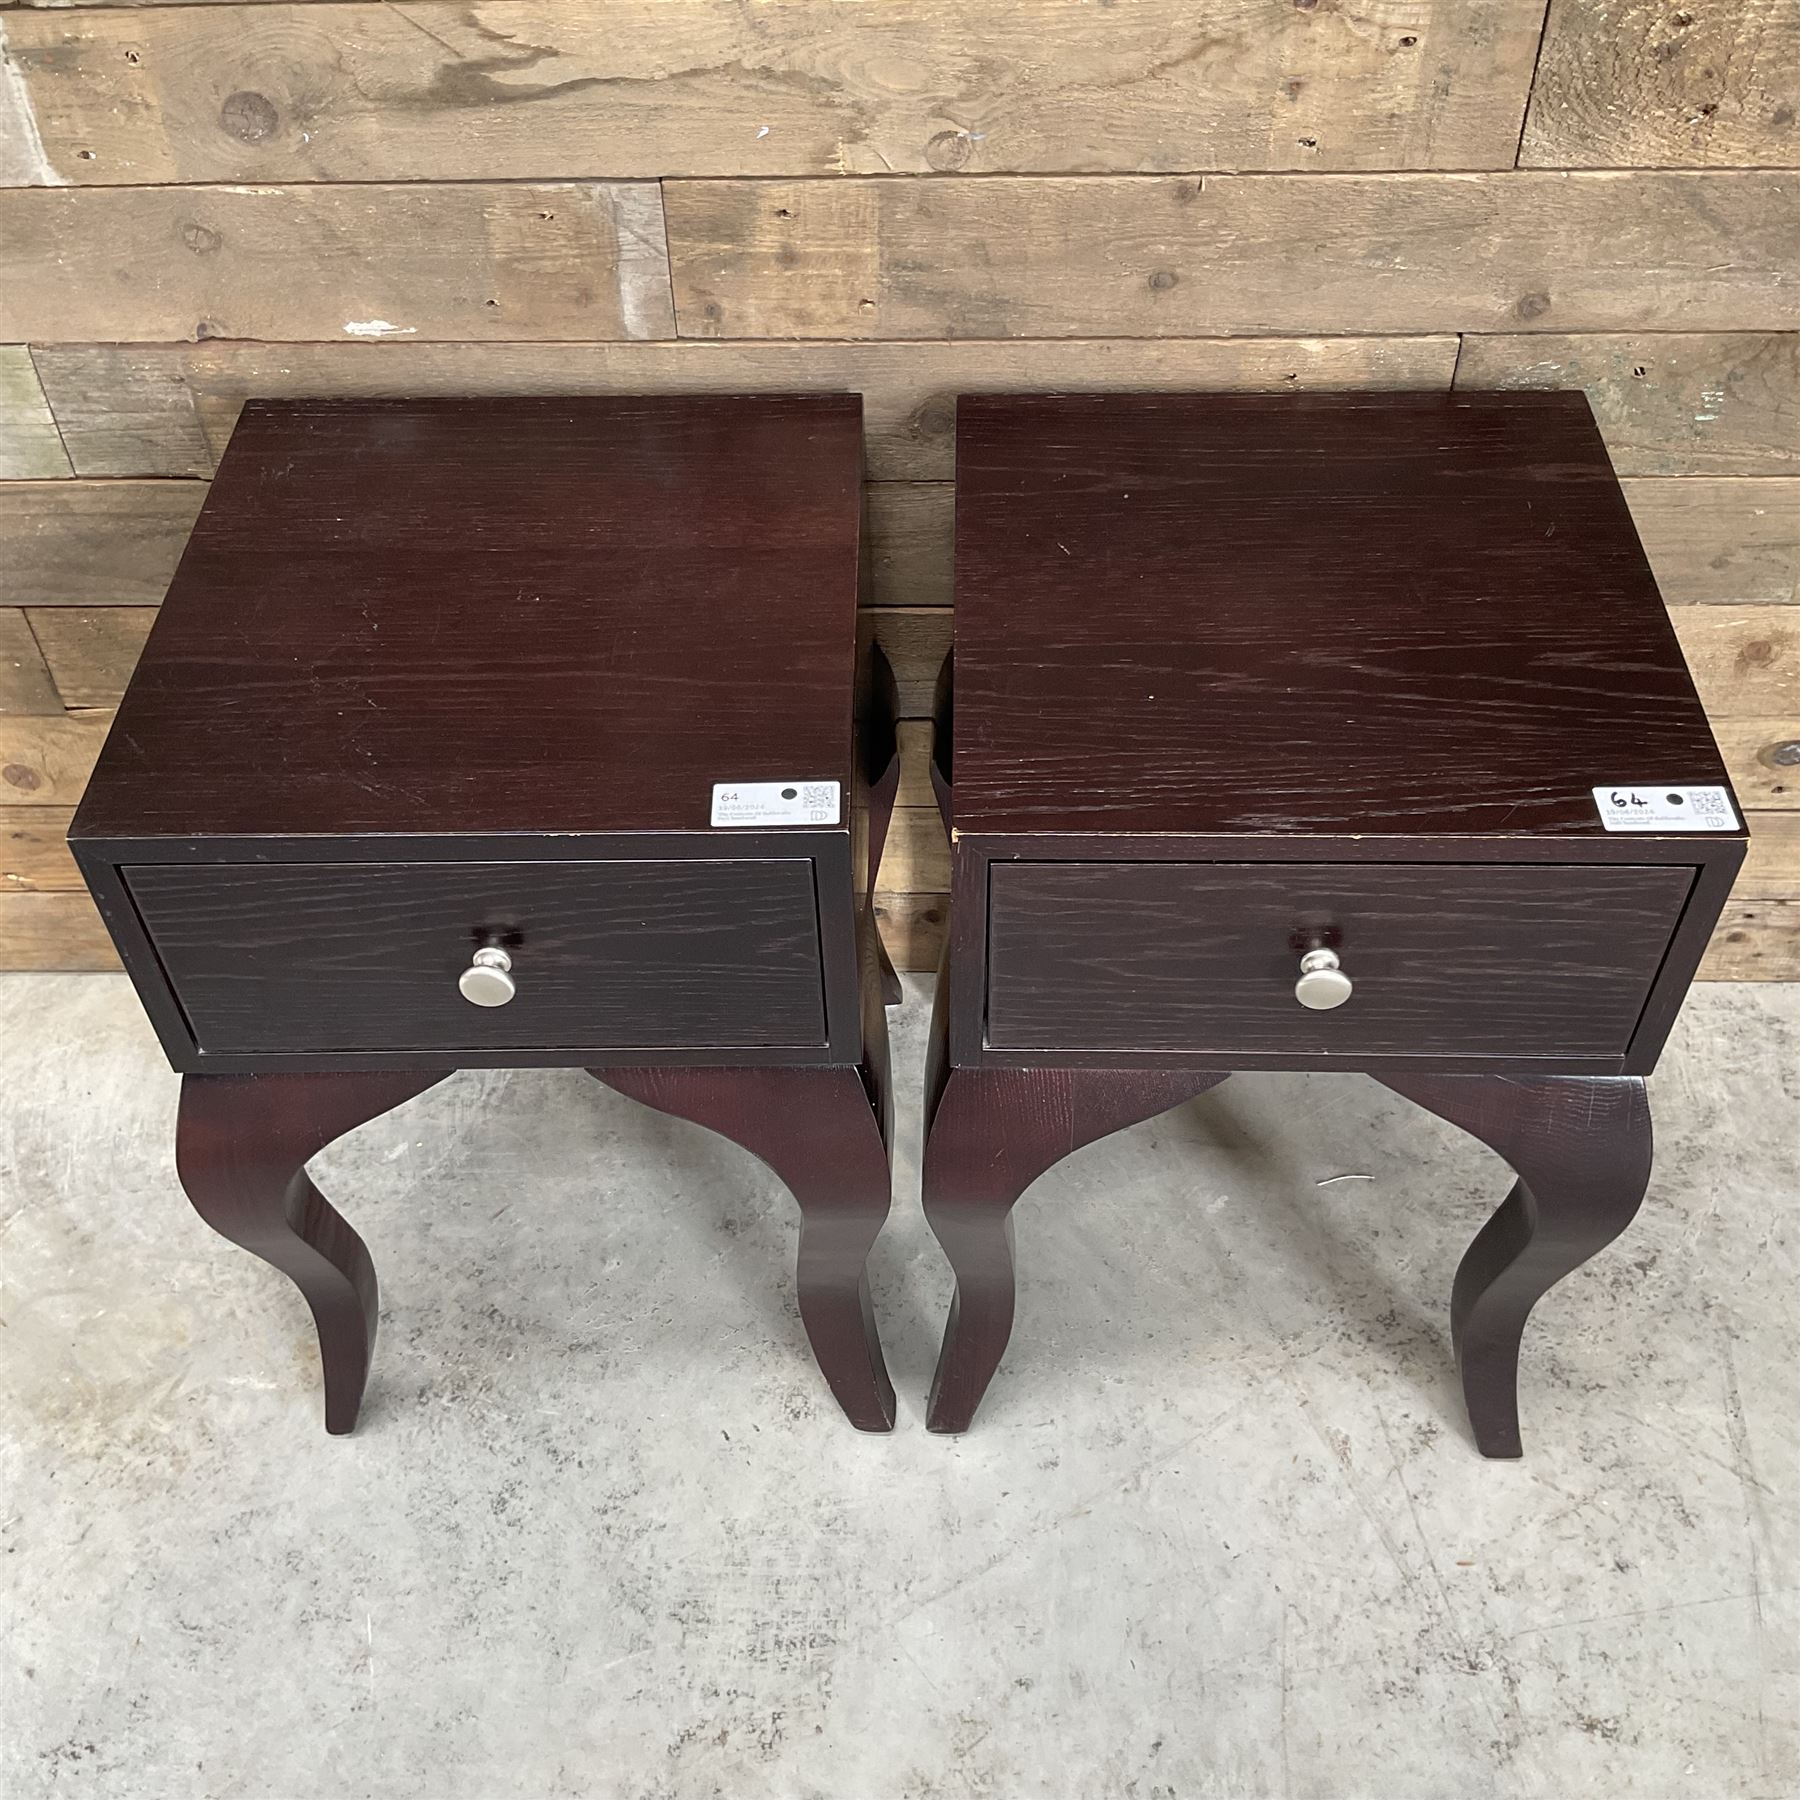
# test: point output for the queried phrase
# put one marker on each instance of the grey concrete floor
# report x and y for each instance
(1219, 1530)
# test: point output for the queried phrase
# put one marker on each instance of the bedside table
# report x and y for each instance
(508, 732)
(1335, 732)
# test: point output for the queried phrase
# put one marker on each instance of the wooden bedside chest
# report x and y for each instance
(1335, 732)
(478, 733)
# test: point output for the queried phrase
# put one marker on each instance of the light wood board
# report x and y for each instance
(1641, 83)
(474, 261)
(1720, 541)
(1172, 257)
(30, 447)
(649, 88)
(1676, 403)
(168, 411)
(92, 543)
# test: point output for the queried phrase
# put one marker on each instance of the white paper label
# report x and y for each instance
(1665, 809)
(776, 802)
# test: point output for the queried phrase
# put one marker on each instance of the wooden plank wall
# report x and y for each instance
(907, 198)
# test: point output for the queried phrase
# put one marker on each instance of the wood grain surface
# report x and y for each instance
(91, 652)
(1772, 869)
(1201, 959)
(93, 543)
(1757, 940)
(137, 410)
(1745, 659)
(521, 578)
(1763, 756)
(1635, 83)
(1302, 629)
(1762, 753)
(445, 261)
(34, 853)
(25, 682)
(559, 88)
(1722, 540)
(47, 761)
(1669, 403)
(1175, 257)
(30, 447)
(607, 955)
(53, 931)
(991, 182)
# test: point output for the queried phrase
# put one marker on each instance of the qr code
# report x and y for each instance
(1709, 803)
(819, 796)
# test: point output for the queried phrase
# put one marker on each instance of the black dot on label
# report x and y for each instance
(790, 793)
(1674, 799)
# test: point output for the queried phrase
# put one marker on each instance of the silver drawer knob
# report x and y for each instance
(486, 981)
(1322, 984)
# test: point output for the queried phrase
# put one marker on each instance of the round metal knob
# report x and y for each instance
(1322, 984)
(486, 981)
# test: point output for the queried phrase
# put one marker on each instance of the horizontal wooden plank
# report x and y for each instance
(1763, 757)
(53, 931)
(47, 761)
(91, 651)
(1678, 403)
(911, 540)
(912, 927)
(1156, 257)
(1720, 541)
(92, 543)
(131, 410)
(1639, 83)
(1756, 940)
(445, 261)
(25, 684)
(30, 449)
(168, 410)
(34, 851)
(1745, 659)
(917, 855)
(444, 92)
(1772, 869)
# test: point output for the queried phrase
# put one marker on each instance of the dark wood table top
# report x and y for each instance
(1346, 614)
(499, 615)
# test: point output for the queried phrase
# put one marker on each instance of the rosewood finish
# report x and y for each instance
(446, 685)
(1244, 678)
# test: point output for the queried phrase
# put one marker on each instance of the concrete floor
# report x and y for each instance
(1219, 1530)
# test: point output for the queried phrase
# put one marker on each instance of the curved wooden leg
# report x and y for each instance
(824, 1131)
(990, 1133)
(1581, 1148)
(241, 1148)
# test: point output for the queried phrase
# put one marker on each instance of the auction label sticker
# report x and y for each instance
(1665, 809)
(776, 802)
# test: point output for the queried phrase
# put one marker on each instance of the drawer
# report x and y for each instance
(1454, 959)
(313, 957)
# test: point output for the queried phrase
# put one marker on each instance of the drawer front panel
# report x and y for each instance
(316, 957)
(1459, 959)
